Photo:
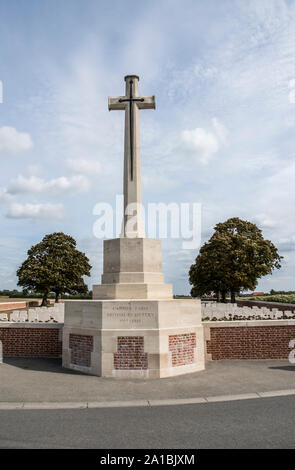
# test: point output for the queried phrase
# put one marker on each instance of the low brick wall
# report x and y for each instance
(31, 340)
(265, 339)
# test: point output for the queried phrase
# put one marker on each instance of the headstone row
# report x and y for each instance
(218, 311)
(53, 313)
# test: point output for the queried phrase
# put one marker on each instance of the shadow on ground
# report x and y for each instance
(286, 368)
(40, 364)
(44, 379)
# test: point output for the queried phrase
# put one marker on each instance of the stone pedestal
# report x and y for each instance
(132, 269)
(133, 338)
(133, 328)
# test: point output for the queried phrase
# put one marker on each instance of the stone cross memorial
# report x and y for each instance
(133, 327)
(131, 103)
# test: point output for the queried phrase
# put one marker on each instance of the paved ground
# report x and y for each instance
(260, 423)
(210, 422)
(44, 380)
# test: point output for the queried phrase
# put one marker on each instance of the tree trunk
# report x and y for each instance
(232, 297)
(223, 295)
(217, 296)
(44, 300)
(57, 297)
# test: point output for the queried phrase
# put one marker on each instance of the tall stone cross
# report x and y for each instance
(132, 226)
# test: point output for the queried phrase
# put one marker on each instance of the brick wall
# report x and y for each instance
(31, 342)
(182, 349)
(81, 347)
(250, 342)
(130, 353)
(268, 339)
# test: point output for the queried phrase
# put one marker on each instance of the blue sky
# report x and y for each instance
(223, 73)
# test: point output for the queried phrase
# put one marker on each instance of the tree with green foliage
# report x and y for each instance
(234, 258)
(54, 265)
(208, 272)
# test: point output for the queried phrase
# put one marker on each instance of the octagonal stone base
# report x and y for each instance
(133, 338)
(132, 269)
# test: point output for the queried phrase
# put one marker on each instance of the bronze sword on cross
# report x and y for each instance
(131, 98)
(131, 103)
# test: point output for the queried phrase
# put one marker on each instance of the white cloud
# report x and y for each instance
(63, 184)
(21, 184)
(82, 166)
(5, 196)
(36, 211)
(34, 184)
(203, 144)
(13, 141)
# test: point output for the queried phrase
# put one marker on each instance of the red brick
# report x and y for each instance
(31, 342)
(182, 348)
(81, 347)
(253, 342)
(130, 353)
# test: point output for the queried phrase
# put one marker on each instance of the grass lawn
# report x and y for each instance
(284, 298)
(16, 299)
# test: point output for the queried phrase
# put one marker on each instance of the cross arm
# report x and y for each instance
(148, 103)
(114, 103)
